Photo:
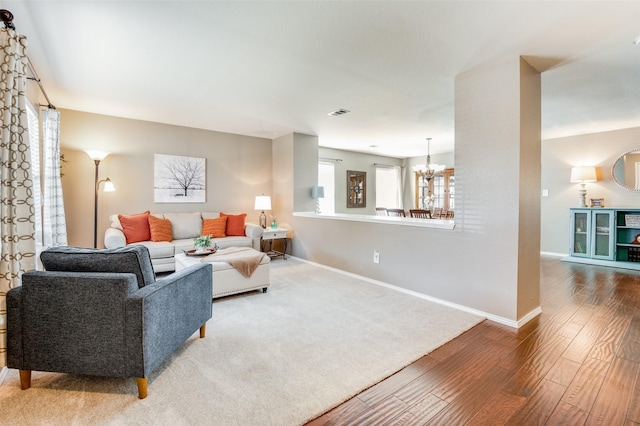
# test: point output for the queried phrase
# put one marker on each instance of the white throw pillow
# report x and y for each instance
(115, 222)
(185, 225)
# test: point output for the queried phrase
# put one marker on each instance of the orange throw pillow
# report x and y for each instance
(235, 224)
(160, 229)
(215, 227)
(135, 227)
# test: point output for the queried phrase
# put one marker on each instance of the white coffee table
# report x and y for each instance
(226, 280)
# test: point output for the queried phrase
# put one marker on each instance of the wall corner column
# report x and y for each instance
(497, 127)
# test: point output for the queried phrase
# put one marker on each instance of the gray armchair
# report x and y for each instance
(102, 312)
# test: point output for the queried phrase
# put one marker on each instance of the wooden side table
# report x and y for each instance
(271, 234)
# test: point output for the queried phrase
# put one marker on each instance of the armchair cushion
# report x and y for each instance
(130, 259)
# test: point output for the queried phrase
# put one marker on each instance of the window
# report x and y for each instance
(327, 179)
(34, 146)
(441, 188)
(388, 187)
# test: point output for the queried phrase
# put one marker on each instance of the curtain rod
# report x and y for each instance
(390, 166)
(37, 80)
(7, 19)
(337, 160)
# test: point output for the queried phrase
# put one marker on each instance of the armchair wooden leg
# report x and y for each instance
(142, 387)
(25, 379)
(203, 330)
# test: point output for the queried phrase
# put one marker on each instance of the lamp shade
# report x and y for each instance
(97, 155)
(263, 202)
(108, 186)
(317, 191)
(584, 174)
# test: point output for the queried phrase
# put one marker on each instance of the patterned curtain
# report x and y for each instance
(54, 224)
(17, 239)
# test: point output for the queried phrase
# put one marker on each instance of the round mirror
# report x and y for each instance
(626, 170)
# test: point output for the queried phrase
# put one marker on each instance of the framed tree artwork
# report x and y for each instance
(179, 179)
(356, 189)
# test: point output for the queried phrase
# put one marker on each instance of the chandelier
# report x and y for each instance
(429, 170)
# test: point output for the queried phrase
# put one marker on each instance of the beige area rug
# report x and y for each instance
(282, 358)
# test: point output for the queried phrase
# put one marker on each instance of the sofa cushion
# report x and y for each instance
(131, 259)
(135, 227)
(180, 246)
(160, 229)
(185, 225)
(215, 227)
(160, 249)
(235, 224)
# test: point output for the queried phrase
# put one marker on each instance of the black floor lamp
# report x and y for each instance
(97, 157)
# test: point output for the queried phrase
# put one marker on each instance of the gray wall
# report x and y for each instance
(424, 260)
(359, 162)
(481, 264)
(238, 169)
(558, 156)
(282, 172)
(364, 162)
(447, 159)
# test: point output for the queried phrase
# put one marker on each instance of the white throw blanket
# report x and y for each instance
(244, 259)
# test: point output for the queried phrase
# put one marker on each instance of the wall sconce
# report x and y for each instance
(317, 192)
(263, 202)
(97, 157)
(582, 175)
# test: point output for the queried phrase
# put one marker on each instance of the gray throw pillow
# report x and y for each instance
(131, 259)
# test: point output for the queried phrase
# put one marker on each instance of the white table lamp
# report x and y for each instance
(263, 202)
(582, 175)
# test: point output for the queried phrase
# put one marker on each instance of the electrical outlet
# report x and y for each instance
(376, 257)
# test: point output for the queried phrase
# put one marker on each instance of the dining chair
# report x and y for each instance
(396, 212)
(381, 211)
(423, 214)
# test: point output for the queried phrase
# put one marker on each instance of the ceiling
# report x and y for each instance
(269, 68)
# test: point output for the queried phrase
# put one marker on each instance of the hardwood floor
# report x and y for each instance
(577, 363)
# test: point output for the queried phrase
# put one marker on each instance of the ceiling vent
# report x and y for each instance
(338, 112)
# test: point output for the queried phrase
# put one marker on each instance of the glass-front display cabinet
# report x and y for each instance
(592, 233)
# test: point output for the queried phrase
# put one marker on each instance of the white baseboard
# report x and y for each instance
(551, 253)
(3, 374)
(531, 315)
(494, 318)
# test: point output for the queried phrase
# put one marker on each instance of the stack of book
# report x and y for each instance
(634, 254)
